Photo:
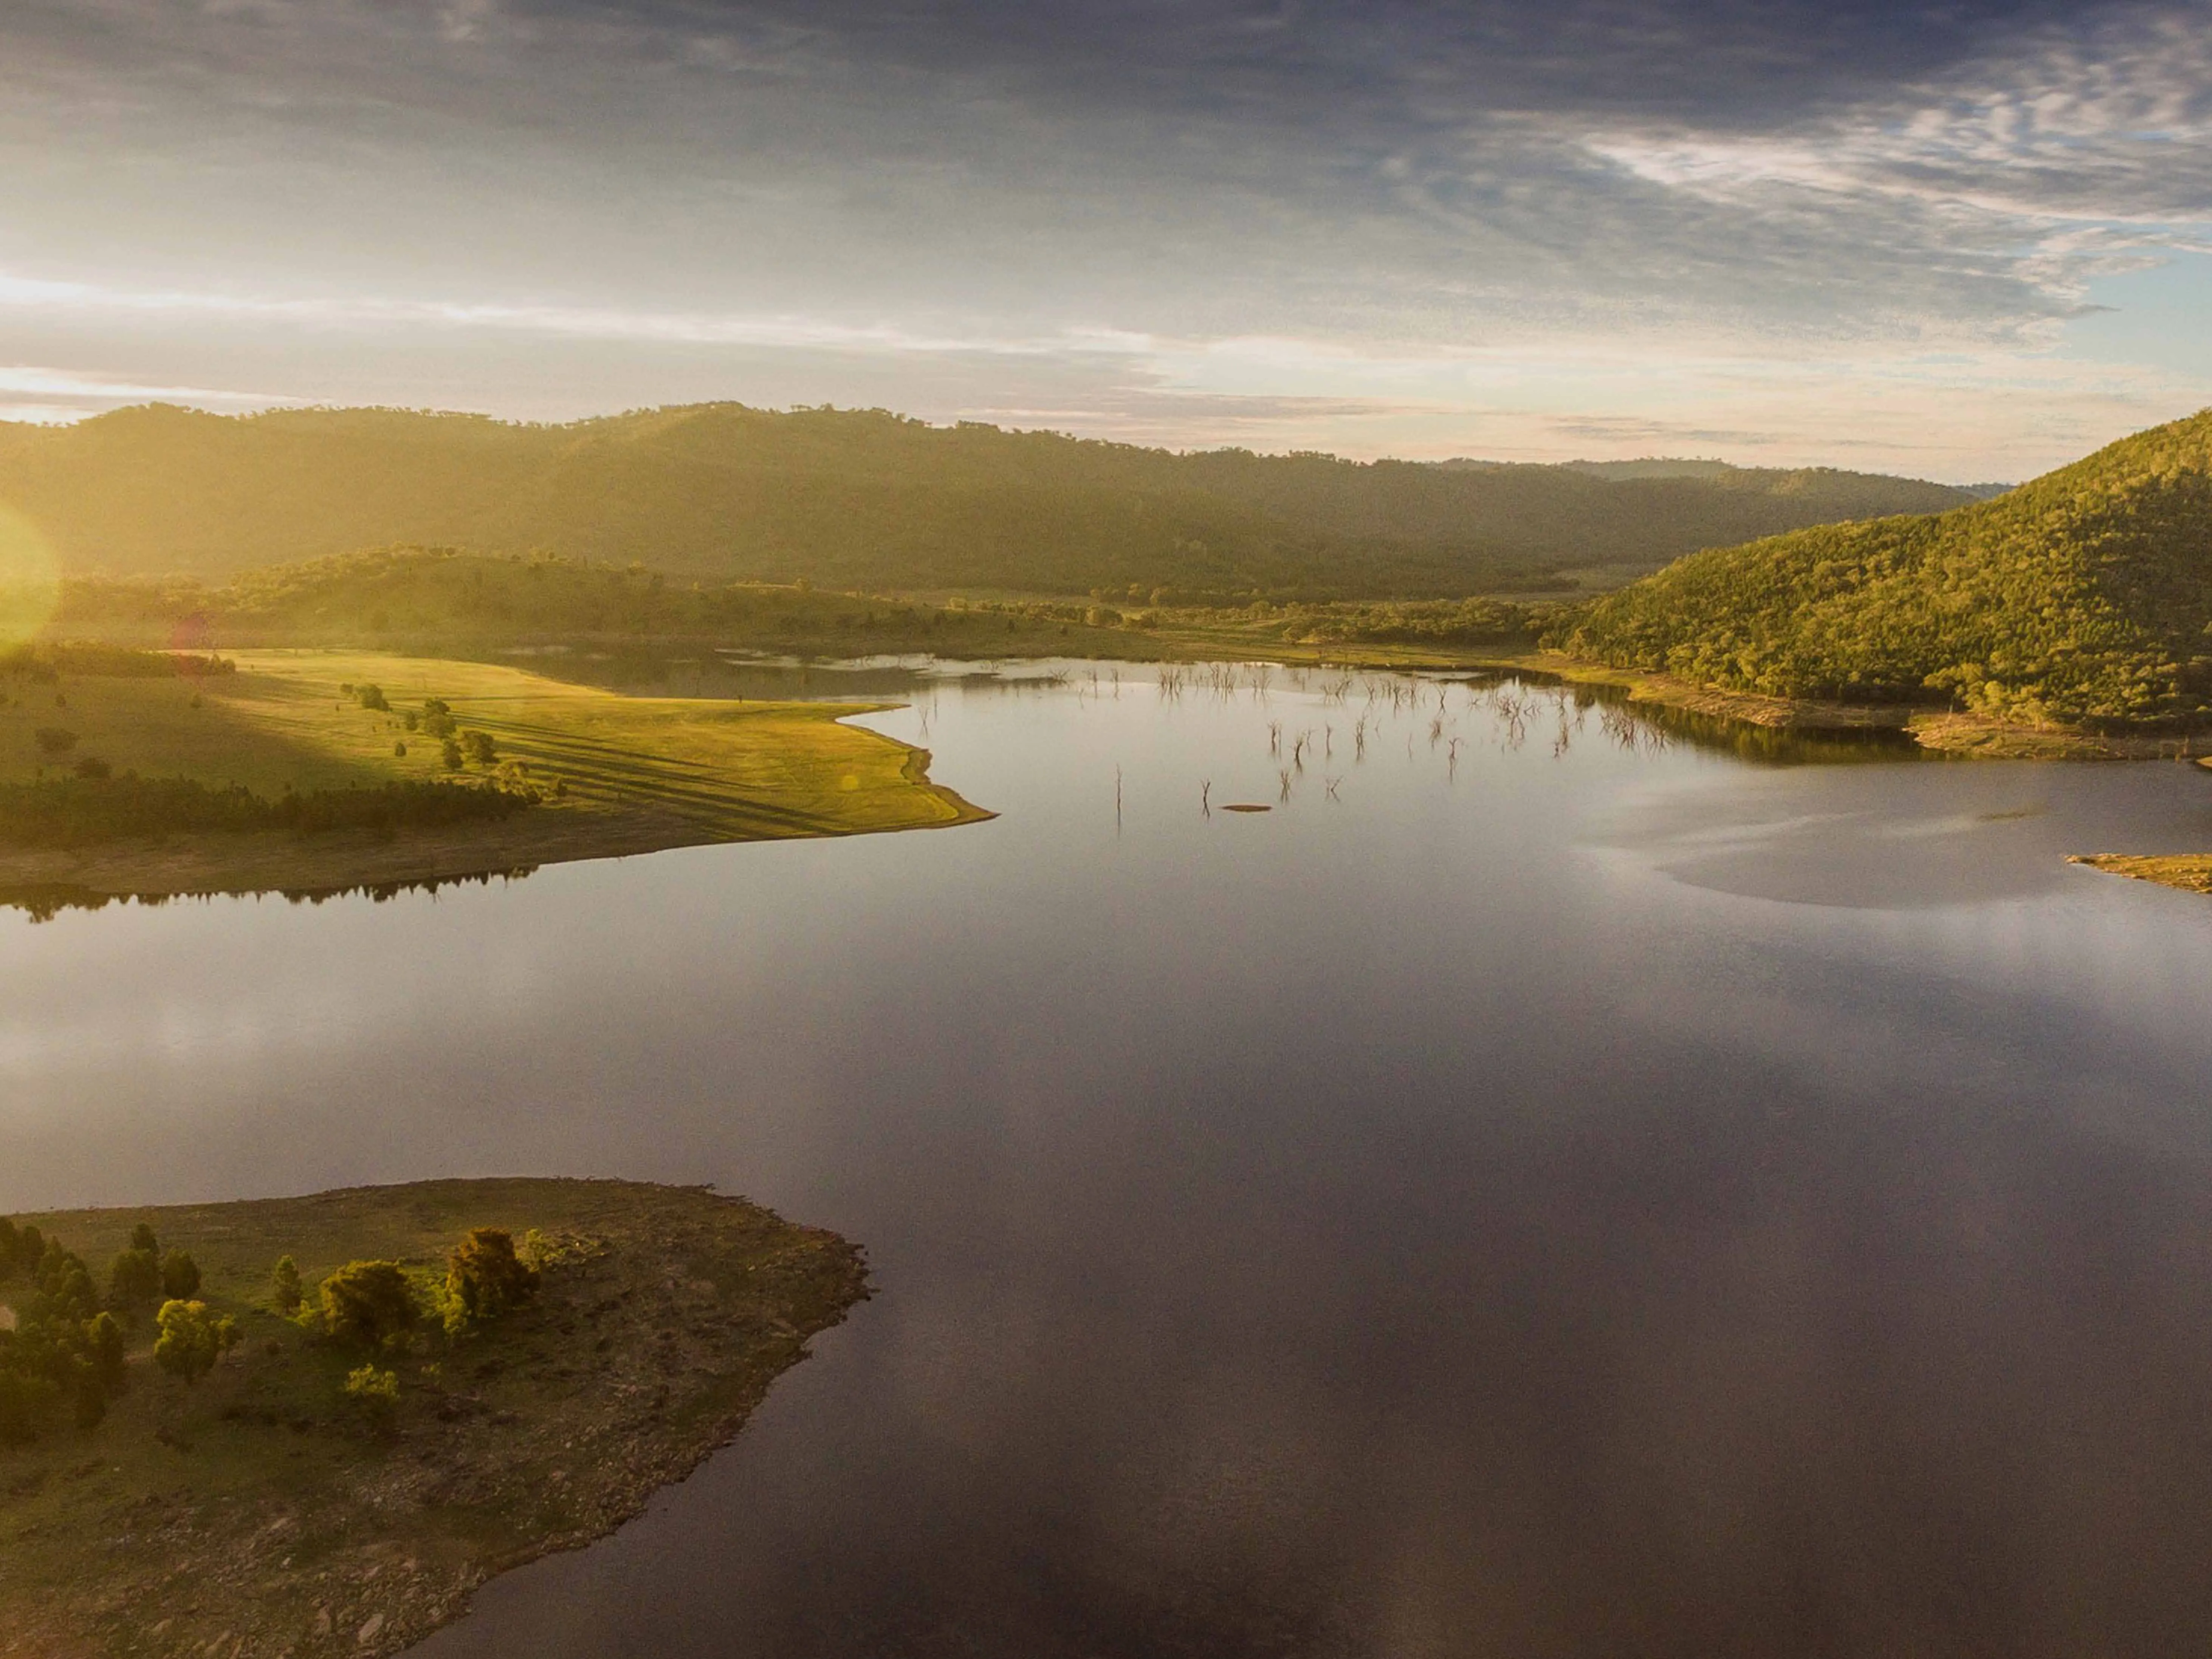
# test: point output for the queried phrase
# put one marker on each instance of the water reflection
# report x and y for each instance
(1482, 1209)
(44, 901)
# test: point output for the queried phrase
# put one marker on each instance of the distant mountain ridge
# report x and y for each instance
(2082, 596)
(866, 499)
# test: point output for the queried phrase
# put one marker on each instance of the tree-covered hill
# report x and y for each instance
(865, 499)
(2084, 595)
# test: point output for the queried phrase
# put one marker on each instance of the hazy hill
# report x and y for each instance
(866, 499)
(1656, 466)
(2085, 595)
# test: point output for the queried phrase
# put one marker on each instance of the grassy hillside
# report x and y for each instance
(2084, 596)
(849, 499)
(604, 774)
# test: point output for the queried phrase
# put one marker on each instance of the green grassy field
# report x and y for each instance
(614, 774)
(249, 1513)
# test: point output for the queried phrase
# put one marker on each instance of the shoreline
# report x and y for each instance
(44, 880)
(1944, 732)
(2186, 872)
(612, 776)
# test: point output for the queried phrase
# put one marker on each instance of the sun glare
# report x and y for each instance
(30, 578)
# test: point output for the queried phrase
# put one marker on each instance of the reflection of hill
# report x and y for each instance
(46, 901)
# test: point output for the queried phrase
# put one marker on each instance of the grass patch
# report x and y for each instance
(2189, 872)
(353, 793)
(261, 1508)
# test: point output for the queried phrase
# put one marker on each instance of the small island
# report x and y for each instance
(315, 1426)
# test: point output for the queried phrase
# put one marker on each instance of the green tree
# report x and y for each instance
(285, 1285)
(192, 1339)
(135, 1278)
(369, 1304)
(374, 1394)
(180, 1276)
(142, 1238)
(484, 1278)
(104, 1340)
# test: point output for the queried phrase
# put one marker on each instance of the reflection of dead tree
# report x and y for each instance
(1284, 773)
(1205, 797)
(1451, 760)
(1329, 785)
(1336, 690)
(1436, 729)
(1359, 740)
(1298, 751)
(1328, 742)
(1512, 712)
(1275, 737)
(1627, 732)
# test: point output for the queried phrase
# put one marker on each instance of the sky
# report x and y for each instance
(1967, 240)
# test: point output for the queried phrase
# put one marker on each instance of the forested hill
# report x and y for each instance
(853, 499)
(2084, 596)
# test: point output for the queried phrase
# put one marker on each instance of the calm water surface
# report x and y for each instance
(1554, 1192)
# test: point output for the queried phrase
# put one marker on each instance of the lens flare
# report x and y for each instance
(30, 578)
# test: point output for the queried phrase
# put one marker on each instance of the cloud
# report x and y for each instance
(1273, 208)
(70, 394)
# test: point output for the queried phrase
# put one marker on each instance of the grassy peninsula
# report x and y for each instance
(338, 1476)
(131, 773)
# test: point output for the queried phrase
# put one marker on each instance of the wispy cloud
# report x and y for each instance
(64, 394)
(1381, 220)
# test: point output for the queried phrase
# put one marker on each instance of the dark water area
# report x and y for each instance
(1544, 1188)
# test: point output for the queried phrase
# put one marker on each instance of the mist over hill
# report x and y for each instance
(2085, 595)
(866, 499)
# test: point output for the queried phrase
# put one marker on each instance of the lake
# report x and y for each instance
(1544, 1187)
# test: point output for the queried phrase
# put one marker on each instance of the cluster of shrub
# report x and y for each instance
(68, 1344)
(458, 747)
(79, 810)
(67, 1347)
(380, 1309)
